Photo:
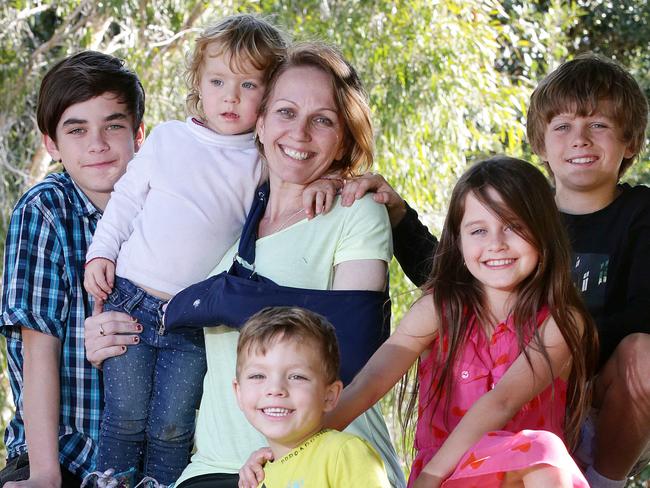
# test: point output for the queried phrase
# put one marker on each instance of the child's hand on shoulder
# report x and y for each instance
(251, 474)
(99, 277)
(318, 197)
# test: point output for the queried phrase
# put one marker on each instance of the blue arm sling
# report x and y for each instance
(361, 318)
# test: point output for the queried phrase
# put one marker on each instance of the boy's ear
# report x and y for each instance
(629, 152)
(332, 395)
(51, 147)
(139, 137)
(235, 387)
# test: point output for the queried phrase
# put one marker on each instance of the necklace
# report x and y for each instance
(286, 221)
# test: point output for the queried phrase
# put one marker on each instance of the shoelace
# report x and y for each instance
(149, 479)
(106, 479)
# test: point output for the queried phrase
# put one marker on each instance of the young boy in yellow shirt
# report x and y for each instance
(287, 379)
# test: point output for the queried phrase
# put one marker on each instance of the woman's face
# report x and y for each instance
(302, 130)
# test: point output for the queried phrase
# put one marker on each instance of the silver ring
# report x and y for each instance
(101, 330)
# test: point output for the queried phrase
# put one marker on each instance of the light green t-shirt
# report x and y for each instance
(329, 459)
(303, 256)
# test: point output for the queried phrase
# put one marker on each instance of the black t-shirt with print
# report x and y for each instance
(611, 266)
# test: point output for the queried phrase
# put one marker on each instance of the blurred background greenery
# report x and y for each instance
(448, 80)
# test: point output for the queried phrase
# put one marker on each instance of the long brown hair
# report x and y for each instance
(527, 199)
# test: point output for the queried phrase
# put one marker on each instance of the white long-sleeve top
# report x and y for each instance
(180, 205)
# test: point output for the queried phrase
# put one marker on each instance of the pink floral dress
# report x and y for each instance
(533, 436)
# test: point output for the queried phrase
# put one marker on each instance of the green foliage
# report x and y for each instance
(642, 480)
(616, 29)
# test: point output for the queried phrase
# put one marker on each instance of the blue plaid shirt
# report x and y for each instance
(50, 230)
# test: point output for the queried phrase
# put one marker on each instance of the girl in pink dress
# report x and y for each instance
(503, 341)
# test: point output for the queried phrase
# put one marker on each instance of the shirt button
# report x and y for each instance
(492, 386)
(464, 374)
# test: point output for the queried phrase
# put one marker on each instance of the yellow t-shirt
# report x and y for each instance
(329, 459)
(302, 255)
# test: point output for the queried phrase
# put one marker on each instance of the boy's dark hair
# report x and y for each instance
(275, 324)
(579, 86)
(242, 38)
(83, 76)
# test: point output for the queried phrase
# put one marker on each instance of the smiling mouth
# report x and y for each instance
(495, 263)
(98, 164)
(276, 411)
(585, 160)
(297, 155)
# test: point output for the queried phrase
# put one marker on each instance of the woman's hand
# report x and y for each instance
(251, 473)
(108, 333)
(356, 188)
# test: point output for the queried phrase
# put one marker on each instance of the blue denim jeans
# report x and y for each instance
(151, 392)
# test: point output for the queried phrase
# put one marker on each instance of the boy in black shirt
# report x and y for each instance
(587, 122)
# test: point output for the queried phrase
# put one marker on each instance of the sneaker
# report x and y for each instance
(108, 479)
(149, 482)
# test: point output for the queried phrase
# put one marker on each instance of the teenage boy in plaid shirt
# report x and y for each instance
(90, 111)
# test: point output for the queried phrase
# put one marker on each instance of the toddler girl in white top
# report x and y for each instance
(181, 204)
